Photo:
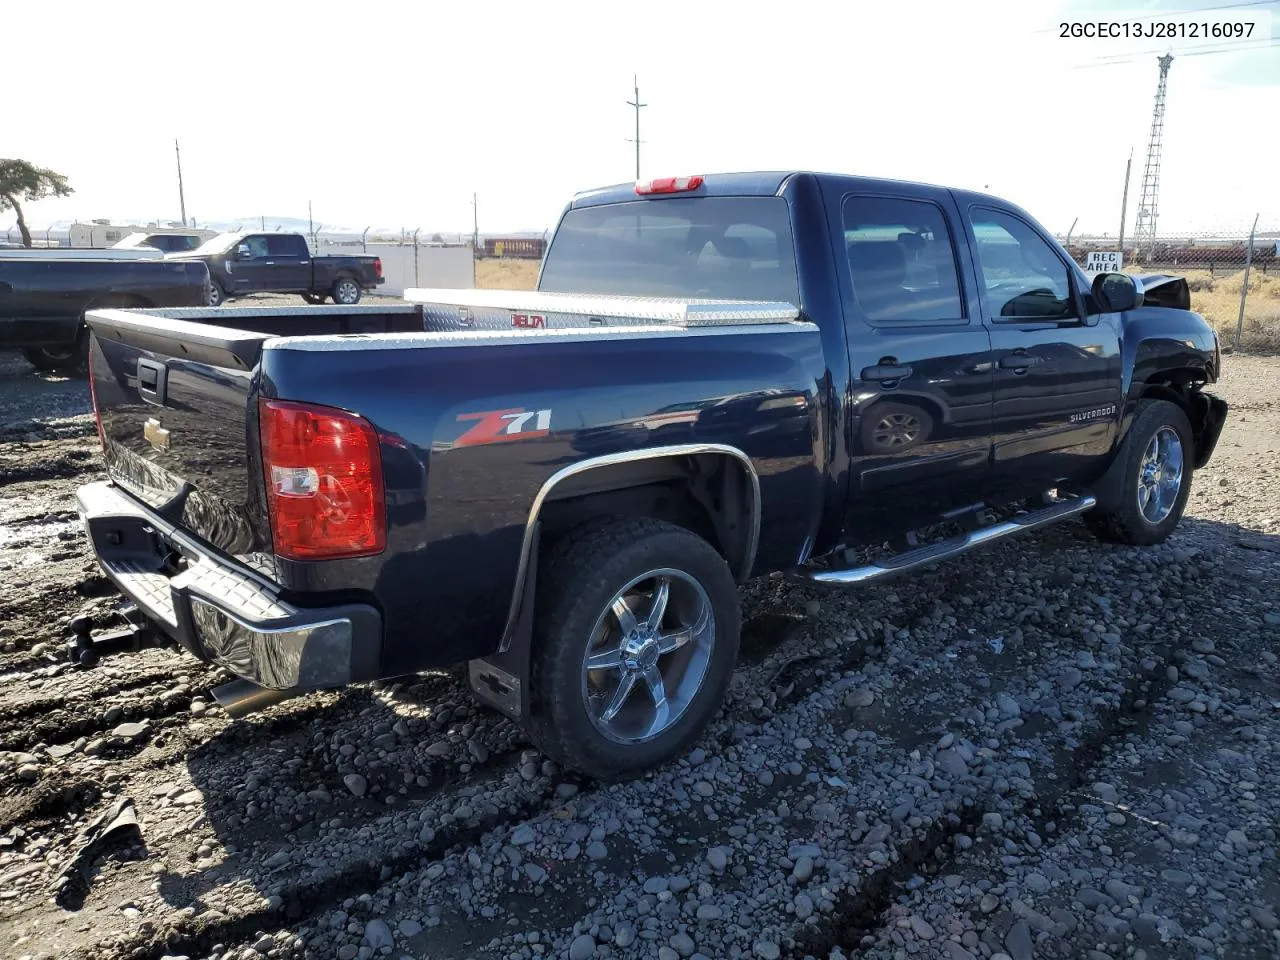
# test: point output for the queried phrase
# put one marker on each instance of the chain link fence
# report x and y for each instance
(1235, 283)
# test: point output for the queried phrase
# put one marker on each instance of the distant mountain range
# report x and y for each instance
(298, 225)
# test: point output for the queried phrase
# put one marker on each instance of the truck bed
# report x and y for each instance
(178, 393)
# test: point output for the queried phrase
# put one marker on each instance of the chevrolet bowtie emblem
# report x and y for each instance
(156, 435)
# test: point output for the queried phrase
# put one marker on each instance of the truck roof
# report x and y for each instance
(763, 184)
(757, 184)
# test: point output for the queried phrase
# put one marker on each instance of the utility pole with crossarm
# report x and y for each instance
(637, 105)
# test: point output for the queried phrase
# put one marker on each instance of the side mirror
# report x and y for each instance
(1116, 292)
(242, 252)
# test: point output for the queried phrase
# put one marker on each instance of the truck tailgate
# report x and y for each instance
(174, 401)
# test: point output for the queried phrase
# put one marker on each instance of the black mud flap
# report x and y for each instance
(502, 678)
(1211, 415)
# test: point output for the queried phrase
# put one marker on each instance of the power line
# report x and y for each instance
(1177, 14)
(1259, 46)
(1196, 51)
(1224, 43)
(1170, 14)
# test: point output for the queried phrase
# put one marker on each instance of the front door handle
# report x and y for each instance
(881, 371)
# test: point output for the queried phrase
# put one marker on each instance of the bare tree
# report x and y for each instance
(23, 182)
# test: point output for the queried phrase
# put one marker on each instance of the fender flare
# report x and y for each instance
(502, 678)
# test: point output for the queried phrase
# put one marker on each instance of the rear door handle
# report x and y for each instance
(1016, 361)
(886, 372)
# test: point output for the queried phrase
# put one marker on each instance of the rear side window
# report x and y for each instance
(902, 261)
(736, 248)
(284, 245)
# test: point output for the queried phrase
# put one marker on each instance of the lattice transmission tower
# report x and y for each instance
(1148, 206)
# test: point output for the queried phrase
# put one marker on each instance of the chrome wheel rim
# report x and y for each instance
(896, 430)
(648, 656)
(1160, 475)
(347, 292)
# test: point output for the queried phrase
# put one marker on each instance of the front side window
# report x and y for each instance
(1022, 276)
(901, 261)
(257, 247)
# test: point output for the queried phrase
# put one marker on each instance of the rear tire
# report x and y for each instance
(315, 299)
(346, 291)
(686, 654)
(44, 359)
(217, 296)
(70, 361)
(1155, 482)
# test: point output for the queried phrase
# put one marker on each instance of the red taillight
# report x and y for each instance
(669, 185)
(377, 267)
(324, 481)
(93, 399)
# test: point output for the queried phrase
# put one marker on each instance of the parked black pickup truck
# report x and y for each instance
(835, 378)
(43, 301)
(241, 263)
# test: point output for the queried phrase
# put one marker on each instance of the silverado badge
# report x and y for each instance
(156, 435)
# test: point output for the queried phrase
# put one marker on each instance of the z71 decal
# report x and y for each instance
(496, 426)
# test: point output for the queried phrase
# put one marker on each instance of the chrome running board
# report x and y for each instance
(946, 549)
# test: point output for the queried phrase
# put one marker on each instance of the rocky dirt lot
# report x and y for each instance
(1050, 749)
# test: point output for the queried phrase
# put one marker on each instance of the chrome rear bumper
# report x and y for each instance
(223, 611)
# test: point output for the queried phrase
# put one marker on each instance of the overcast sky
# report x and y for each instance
(392, 114)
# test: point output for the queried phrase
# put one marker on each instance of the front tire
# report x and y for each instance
(1155, 481)
(346, 291)
(634, 646)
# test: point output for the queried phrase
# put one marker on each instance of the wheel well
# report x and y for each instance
(1183, 388)
(714, 495)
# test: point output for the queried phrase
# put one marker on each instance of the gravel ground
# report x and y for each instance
(1052, 748)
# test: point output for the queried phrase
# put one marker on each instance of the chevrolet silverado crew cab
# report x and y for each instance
(244, 263)
(828, 377)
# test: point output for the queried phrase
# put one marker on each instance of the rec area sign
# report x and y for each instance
(1104, 261)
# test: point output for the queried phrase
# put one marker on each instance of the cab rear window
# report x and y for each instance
(737, 248)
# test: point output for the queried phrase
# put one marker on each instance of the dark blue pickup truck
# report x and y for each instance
(834, 378)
